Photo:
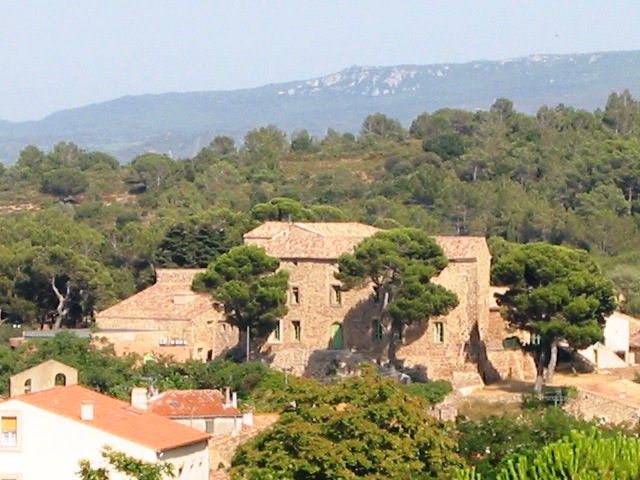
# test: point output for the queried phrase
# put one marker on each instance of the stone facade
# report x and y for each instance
(167, 315)
(323, 316)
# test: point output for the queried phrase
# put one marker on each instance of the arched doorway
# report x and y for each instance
(337, 337)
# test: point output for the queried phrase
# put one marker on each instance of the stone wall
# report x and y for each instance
(313, 303)
(592, 406)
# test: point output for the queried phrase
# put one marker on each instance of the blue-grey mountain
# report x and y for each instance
(182, 123)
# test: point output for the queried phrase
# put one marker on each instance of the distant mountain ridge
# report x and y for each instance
(182, 123)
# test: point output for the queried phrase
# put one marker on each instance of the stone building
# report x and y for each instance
(324, 318)
(168, 317)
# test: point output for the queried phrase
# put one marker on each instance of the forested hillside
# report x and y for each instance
(80, 231)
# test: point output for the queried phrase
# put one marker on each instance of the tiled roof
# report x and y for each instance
(328, 240)
(321, 240)
(623, 391)
(191, 403)
(171, 298)
(115, 417)
(463, 248)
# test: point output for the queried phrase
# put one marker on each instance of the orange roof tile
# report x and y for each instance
(115, 417)
(171, 298)
(191, 404)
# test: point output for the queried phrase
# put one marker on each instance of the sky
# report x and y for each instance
(59, 54)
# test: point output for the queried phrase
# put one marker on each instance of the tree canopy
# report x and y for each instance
(252, 291)
(400, 264)
(364, 427)
(557, 293)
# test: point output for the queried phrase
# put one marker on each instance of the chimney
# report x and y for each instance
(234, 399)
(227, 397)
(86, 411)
(139, 398)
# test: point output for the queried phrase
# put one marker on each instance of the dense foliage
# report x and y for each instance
(490, 443)
(579, 455)
(363, 427)
(122, 463)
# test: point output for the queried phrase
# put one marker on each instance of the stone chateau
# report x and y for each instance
(327, 325)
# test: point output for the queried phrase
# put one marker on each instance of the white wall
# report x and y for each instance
(50, 447)
(616, 334)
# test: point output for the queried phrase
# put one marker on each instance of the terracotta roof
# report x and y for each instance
(171, 298)
(115, 417)
(325, 229)
(322, 240)
(623, 391)
(463, 248)
(328, 240)
(191, 403)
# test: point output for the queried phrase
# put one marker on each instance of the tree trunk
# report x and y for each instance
(537, 388)
(553, 362)
(62, 309)
(629, 200)
(396, 331)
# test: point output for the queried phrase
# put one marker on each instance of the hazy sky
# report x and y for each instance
(57, 54)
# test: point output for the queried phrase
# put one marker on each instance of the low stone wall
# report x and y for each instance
(591, 406)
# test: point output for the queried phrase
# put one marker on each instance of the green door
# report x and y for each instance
(337, 338)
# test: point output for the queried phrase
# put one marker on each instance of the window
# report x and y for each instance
(376, 330)
(536, 339)
(336, 295)
(295, 295)
(27, 386)
(438, 332)
(61, 380)
(9, 436)
(208, 425)
(297, 330)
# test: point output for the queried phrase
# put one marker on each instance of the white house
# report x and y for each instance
(45, 434)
